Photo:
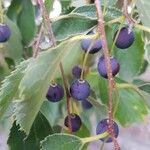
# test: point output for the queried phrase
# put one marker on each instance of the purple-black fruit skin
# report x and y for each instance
(55, 93)
(4, 33)
(101, 67)
(86, 104)
(76, 71)
(80, 89)
(125, 38)
(103, 127)
(75, 122)
(97, 45)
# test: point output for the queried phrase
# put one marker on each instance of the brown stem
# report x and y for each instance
(47, 22)
(67, 96)
(52, 38)
(126, 14)
(101, 29)
(37, 43)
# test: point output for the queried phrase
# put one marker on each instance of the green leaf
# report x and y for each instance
(103, 90)
(90, 11)
(40, 72)
(131, 59)
(144, 11)
(51, 111)
(146, 97)
(14, 9)
(144, 89)
(143, 67)
(65, 4)
(66, 142)
(40, 129)
(108, 2)
(14, 48)
(131, 107)
(9, 88)
(82, 133)
(26, 21)
(73, 24)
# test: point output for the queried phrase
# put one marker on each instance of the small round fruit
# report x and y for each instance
(75, 122)
(97, 45)
(101, 67)
(125, 38)
(76, 71)
(55, 93)
(103, 127)
(86, 104)
(80, 89)
(4, 33)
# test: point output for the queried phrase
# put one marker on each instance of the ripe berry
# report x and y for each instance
(103, 127)
(102, 68)
(86, 104)
(125, 38)
(55, 93)
(75, 122)
(87, 42)
(80, 89)
(4, 33)
(76, 71)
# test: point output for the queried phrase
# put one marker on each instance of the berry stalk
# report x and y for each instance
(52, 38)
(101, 29)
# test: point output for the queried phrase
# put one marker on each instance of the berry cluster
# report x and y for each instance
(80, 88)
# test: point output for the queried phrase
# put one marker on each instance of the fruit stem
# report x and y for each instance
(1, 12)
(101, 29)
(113, 45)
(52, 38)
(85, 59)
(94, 138)
(67, 96)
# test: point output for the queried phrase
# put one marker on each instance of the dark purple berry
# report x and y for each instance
(75, 122)
(55, 93)
(103, 127)
(4, 33)
(125, 38)
(76, 71)
(102, 67)
(86, 104)
(80, 90)
(87, 42)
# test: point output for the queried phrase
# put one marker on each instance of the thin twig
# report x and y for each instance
(101, 29)
(36, 43)
(53, 40)
(47, 22)
(125, 11)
